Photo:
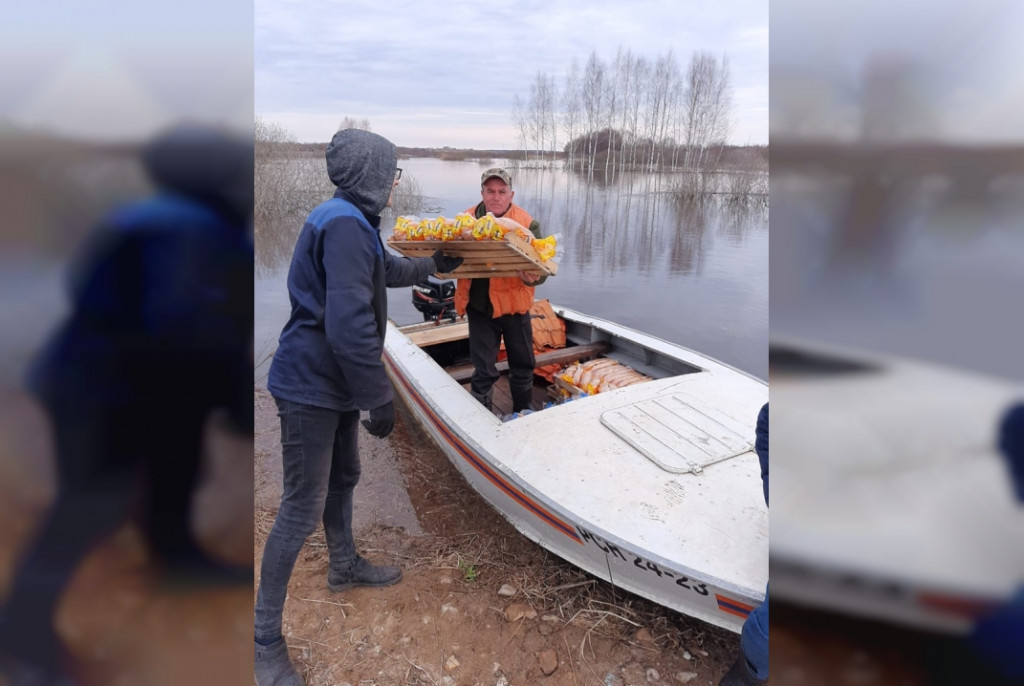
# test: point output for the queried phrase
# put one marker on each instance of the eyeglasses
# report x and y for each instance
(398, 173)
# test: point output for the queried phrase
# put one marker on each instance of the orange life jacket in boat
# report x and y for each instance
(509, 295)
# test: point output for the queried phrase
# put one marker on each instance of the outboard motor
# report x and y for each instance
(435, 298)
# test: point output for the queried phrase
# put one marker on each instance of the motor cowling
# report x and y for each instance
(434, 298)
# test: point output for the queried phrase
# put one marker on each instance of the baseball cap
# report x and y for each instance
(496, 172)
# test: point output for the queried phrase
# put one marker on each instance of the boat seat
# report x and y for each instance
(464, 373)
(435, 335)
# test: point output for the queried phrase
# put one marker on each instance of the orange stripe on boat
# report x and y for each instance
(971, 608)
(479, 464)
(733, 607)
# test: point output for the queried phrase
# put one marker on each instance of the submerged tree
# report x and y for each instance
(571, 108)
(633, 114)
(706, 103)
(540, 114)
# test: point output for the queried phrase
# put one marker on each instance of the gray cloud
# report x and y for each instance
(961, 59)
(318, 61)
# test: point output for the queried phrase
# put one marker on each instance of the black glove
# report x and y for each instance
(446, 264)
(381, 421)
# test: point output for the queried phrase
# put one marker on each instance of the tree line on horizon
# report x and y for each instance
(631, 114)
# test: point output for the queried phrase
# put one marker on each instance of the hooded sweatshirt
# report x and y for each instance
(329, 352)
(161, 291)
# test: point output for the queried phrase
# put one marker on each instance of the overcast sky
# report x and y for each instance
(115, 70)
(962, 60)
(445, 73)
(440, 72)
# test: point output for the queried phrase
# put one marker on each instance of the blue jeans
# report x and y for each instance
(320, 462)
(754, 639)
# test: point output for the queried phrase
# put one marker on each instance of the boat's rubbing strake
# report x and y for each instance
(725, 603)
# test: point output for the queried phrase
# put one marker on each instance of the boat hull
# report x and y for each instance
(486, 452)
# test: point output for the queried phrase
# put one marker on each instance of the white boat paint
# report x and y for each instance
(890, 500)
(692, 537)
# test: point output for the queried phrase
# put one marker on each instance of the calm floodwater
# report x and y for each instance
(696, 275)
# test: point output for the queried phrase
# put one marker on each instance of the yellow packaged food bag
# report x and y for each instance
(449, 231)
(419, 231)
(483, 227)
(545, 247)
(463, 220)
(401, 230)
(434, 228)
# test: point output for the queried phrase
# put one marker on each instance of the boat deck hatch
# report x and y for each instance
(677, 436)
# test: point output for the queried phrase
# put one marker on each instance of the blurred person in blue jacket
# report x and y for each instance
(751, 667)
(158, 340)
(998, 638)
(326, 369)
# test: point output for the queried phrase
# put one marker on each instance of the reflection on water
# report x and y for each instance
(695, 273)
(931, 276)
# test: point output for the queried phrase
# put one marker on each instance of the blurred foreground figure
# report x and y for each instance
(751, 667)
(158, 339)
(998, 638)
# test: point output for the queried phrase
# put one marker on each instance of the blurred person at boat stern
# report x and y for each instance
(158, 341)
(751, 667)
(327, 368)
(998, 638)
(500, 307)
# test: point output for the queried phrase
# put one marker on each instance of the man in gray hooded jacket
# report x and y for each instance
(326, 369)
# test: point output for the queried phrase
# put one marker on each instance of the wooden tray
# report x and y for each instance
(483, 259)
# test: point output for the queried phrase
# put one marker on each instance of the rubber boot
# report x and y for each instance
(485, 400)
(273, 668)
(361, 572)
(522, 400)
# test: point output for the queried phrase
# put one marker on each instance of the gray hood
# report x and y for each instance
(362, 165)
(206, 162)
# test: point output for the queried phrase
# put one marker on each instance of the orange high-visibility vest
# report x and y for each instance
(509, 295)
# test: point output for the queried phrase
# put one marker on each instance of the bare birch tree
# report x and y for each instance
(520, 119)
(540, 113)
(628, 88)
(593, 92)
(613, 103)
(656, 103)
(721, 119)
(641, 75)
(707, 103)
(571, 109)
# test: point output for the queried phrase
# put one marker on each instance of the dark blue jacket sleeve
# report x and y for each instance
(349, 262)
(997, 639)
(761, 446)
(406, 271)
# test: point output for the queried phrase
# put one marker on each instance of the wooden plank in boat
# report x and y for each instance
(439, 334)
(463, 373)
(482, 259)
